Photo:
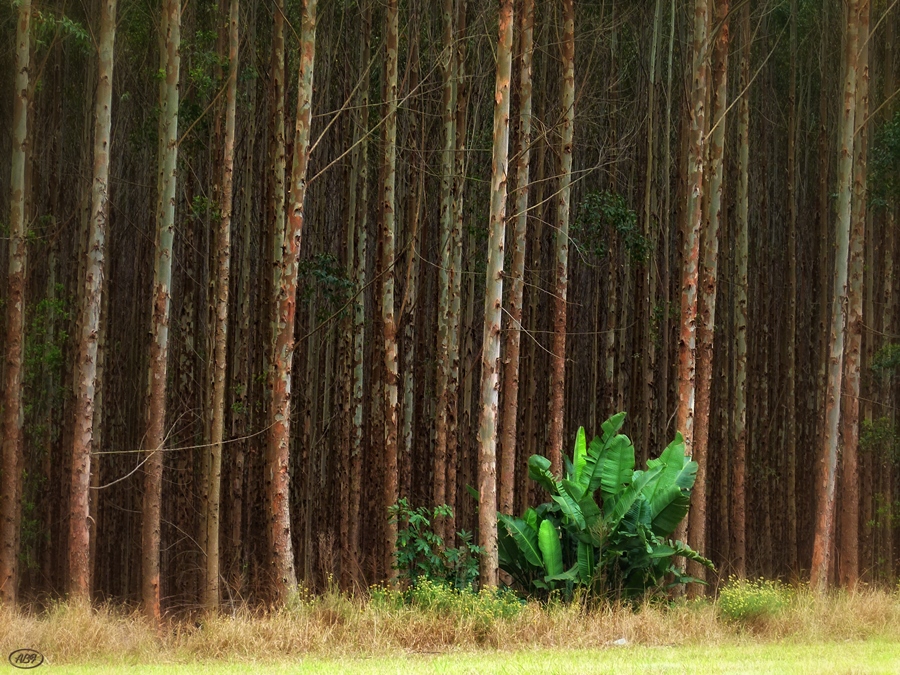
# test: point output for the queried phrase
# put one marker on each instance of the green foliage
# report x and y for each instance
(322, 276)
(602, 216)
(748, 600)
(884, 164)
(482, 608)
(887, 359)
(879, 436)
(619, 547)
(421, 554)
(47, 28)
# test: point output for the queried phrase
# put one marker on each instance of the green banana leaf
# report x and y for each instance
(668, 508)
(618, 467)
(569, 575)
(569, 505)
(626, 500)
(612, 426)
(586, 562)
(548, 540)
(525, 536)
(579, 457)
(539, 472)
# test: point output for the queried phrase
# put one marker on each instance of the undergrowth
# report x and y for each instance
(436, 619)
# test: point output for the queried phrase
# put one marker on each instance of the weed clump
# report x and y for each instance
(747, 600)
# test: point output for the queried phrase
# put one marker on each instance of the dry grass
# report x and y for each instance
(335, 627)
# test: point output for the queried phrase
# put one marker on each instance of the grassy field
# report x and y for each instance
(443, 633)
(870, 657)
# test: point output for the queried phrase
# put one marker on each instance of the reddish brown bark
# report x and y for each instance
(493, 299)
(848, 567)
(389, 326)
(561, 262)
(823, 542)
(83, 439)
(284, 580)
(11, 440)
(161, 299)
(517, 273)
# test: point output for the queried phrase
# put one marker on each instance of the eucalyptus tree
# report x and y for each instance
(11, 441)
(223, 276)
(95, 272)
(823, 542)
(281, 555)
(170, 66)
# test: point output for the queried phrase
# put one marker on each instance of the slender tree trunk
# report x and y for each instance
(389, 327)
(828, 459)
(791, 346)
(648, 363)
(493, 299)
(162, 284)
(456, 268)
(223, 274)
(708, 289)
(442, 381)
(359, 212)
(517, 274)
(848, 568)
(561, 263)
(13, 411)
(79, 498)
(742, 249)
(284, 579)
(684, 418)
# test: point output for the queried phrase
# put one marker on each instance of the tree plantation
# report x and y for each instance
(291, 284)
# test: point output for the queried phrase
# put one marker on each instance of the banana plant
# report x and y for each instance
(607, 526)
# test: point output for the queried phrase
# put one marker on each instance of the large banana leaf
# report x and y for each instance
(612, 426)
(626, 500)
(668, 508)
(675, 469)
(539, 472)
(579, 457)
(525, 536)
(618, 467)
(586, 562)
(569, 505)
(548, 540)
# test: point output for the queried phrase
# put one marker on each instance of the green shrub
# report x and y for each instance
(751, 600)
(421, 553)
(607, 529)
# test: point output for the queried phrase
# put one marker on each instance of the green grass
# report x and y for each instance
(869, 657)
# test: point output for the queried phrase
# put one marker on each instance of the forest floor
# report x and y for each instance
(855, 632)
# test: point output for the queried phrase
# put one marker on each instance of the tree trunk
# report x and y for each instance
(284, 579)
(13, 412)
(389, 327)
(359, 212)
(446, 241)
(828, 459)
(161, 299)
(708, 290)
(684, 418)
(456, 268)
(517, 274)
(493, 299)
(561, 267)
(848, 568)
(742, 249)
(223, 274)
(79, 498)
(791, 346)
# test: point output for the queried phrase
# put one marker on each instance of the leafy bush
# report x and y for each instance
(421, 553)
(622, 549)
(481, 608)
(751, 600)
